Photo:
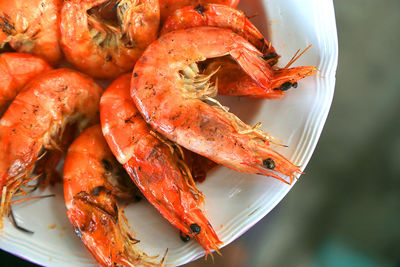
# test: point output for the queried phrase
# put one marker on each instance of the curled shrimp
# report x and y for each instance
(16, 69)
(154, 164)
(232, 80)
(91, 186)
(104, 38)
(36, 121)
(221, 16)
(32, 26)
(168, 91)
(167, 7)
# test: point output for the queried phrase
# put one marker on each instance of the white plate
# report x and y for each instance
(234, 201)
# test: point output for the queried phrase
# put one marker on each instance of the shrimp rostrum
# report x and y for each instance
(93, 180)
(36, 122)
(169, 92)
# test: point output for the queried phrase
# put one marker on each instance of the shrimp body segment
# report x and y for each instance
(91, 174)
(16, 69)
(35, 122)
(104, 38)
(167, 7)
(153, 165)
(169, 93)
(32, 26)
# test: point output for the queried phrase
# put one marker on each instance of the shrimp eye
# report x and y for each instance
(200, 9)
(269, 164)
(185, 238)
(195, 228)
(286, 86)
(106, 164)
(294, 85)
(269, 56)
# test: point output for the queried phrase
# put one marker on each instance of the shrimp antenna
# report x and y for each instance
(296, 56)
(31, 198)
(14, 222)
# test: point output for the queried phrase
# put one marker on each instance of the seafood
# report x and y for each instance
(35, 122)
(168, 91)
(167, 7)
(223, 17)
(91, 189)
(16, 69)
(232, 80)
(32, 26)
(104, 38)
(154, 164)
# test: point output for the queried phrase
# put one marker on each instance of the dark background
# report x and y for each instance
(346, 210)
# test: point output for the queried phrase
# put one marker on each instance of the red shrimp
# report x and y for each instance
(154, 164)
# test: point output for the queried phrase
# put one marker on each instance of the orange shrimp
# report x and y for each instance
(35, 121)
(231, 79)
(104, 38)
(168, 92)
(223, 17)
(32, 26)
(91, 186)
(16, 69)
(167, 7)
(154, 164)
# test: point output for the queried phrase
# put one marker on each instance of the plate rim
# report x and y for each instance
(328, 65)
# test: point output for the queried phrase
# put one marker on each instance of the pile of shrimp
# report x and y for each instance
(154, 132)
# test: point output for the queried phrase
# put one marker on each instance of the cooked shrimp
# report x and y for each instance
(167, 7)
(91, 188)
(232, 80)
(16, 69)
(154, 164)
(32, 26)
(104, 38)
(35, 122)
(169, 93)
(223, 17)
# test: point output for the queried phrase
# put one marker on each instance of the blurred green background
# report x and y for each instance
(346, 210)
